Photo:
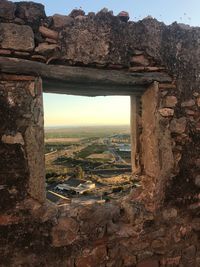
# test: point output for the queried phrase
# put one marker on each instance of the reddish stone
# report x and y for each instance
(5, 52)
(13, 77)
(124, 16)
(77, 12)
(167, 86)
(8, 219)
(48, 33)
(170, 101)
(65, 233)
(178, 125)
(166, 112)
(188, 103)
(93, 258)
(148, 263)
(198, 101)
(140, 60)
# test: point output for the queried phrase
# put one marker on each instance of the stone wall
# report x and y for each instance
(157, 224)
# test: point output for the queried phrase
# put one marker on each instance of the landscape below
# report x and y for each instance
(85, 164)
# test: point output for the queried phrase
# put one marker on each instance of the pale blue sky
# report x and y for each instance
(75, 110)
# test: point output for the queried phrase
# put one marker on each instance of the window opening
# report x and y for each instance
(87, 148)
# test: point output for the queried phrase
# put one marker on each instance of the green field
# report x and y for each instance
(91, 149)
(85, 132)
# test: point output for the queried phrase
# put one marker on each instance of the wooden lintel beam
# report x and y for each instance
(91, 78)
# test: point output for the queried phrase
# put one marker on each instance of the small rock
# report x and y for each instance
(198, 101)
(178, 125)
(195, 94)
(170, 101)
(196, 224)
(197, 181)
(140, 60)
(50, 41)
(144, 255)
(13, 139)
(95, 257)
(129, 259)
(77, 12)
(123, 16)
(65, 233)
(158, 245)
(197, 163)
(91, 15)
(21, 54)
(137, 52)
(48, 33)
(166, 112)
(189, 112)
(167, 86)
(148, 263)
(7, 10)
(170, 262)
(44, 48)
(104, 10)
(5, 52)
(80, 18)
(60, 21)
(190, 252)
(169, 214)
(188, 103)
(19, 21)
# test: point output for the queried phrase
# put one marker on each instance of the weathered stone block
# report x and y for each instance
(198, 101)
(170, 213)
(48, 33)
(16, 37)
(65, 232)
(7, 10)
(60, 21)
(140, 60)
(45, 48)
(166, 112)
(188, 103)
(148, 263)
(197, 180)
(178, 125)
(95, 257)
(13, 139)
(30, 11)
(170, 101)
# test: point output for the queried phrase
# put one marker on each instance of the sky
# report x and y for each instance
(68, 110)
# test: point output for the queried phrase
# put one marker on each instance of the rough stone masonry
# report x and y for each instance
(155, 225)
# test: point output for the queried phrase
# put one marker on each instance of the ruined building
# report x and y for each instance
(155, 225)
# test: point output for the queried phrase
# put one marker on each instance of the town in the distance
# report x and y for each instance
(88, 164)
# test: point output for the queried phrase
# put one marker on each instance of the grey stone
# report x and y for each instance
(30, 11)
(16, 37)
(7, 10)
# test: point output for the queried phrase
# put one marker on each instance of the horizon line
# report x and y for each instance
(86, 125)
